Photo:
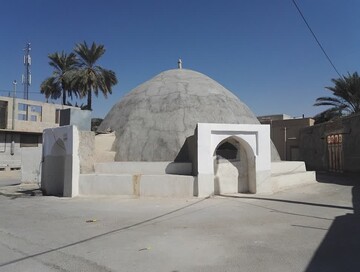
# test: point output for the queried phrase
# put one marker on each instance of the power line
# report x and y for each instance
(10, 91)
(316, 39)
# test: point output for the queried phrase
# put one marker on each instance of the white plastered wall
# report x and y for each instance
(61, 166)
(254, 138)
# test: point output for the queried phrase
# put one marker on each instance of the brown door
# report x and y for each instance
(335, 152)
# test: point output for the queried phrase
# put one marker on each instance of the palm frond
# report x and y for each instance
(62, 63)
(90, 78)
(346, 95)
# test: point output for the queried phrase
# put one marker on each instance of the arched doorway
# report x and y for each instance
(53, 170)
(234, 167)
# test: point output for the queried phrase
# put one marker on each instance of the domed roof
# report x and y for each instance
(153, 121)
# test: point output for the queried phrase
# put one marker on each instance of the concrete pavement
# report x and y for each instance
(11, 186)
(9, 178)
(309, 228)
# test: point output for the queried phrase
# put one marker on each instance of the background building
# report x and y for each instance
(332, 146)
(285, 132)
(21, 125)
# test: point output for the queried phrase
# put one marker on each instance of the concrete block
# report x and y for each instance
(106, 184)
(167, 186)
(282, 167)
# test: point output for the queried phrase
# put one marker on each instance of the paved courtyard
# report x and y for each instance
(309, 228)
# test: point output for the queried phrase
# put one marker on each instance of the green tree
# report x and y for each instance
(345, 99)
(89, 77)
(59, 83)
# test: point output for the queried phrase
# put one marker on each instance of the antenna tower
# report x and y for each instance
(26, 78)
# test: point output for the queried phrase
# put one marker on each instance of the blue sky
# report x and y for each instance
(259, 49)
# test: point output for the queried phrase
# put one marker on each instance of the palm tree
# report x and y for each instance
(345, 99)
(50, 89)
(327, 115)
(90, 78)
(59, 83)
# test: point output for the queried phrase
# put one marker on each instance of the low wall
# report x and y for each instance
(287, 167)
(137, 185)
(10, 151)
(31, 164)
(148, 168)
(166, 186)
(287, 174)
(106, 184)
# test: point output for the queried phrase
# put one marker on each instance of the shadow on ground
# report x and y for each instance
(340, 249)
(128, 227)
(20, 190)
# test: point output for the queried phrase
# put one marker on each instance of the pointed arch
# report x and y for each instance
(234, 166)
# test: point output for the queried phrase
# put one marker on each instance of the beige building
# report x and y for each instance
(285, 132)
(21, 125)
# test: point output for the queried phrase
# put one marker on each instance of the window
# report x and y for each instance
(3, 114)
(29, 140)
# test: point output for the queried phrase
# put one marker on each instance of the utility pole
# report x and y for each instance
(14, 106)
(285, 145)
(26, 78)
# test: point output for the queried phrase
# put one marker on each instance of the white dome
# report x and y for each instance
(153, 121)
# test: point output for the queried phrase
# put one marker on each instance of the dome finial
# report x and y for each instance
(180, 63)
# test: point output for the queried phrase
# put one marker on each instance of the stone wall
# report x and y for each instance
(318, 153)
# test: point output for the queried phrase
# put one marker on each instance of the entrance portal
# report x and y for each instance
(252, 142)
(231, 167)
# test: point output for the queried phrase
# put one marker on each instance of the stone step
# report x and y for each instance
(147, 168)
(167, 186)
(106, 184)
(137, 185)
(287, 167)
(285, 181)
(105, 156)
